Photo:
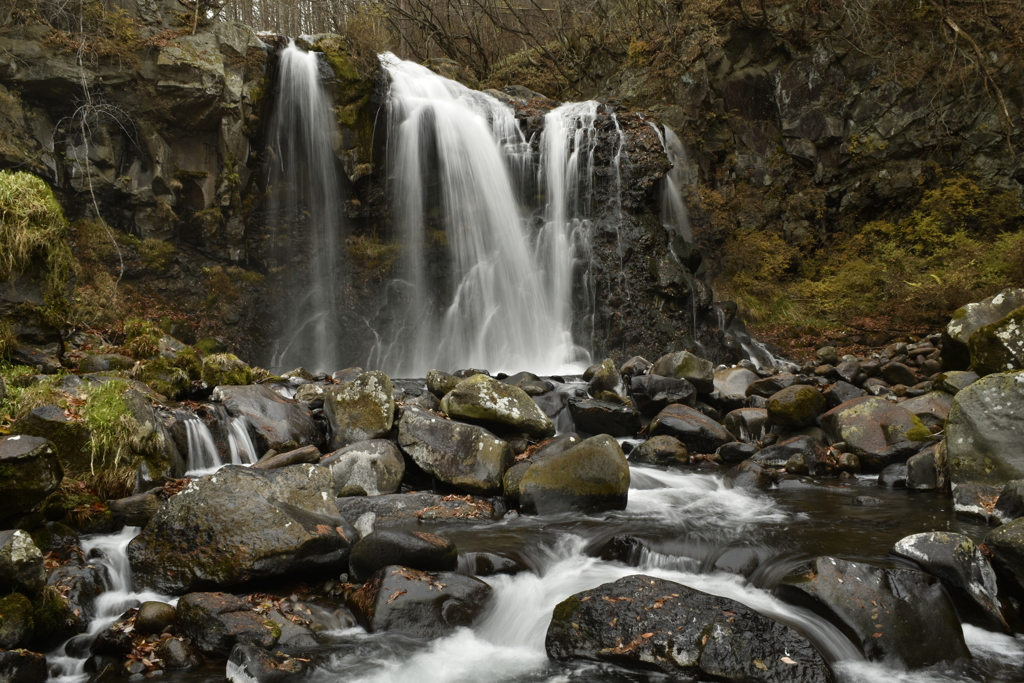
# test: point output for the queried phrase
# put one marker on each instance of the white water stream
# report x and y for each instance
(306, 200)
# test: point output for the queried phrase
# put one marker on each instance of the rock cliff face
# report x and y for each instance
(159, 127)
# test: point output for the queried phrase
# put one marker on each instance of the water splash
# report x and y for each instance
(240, 445)
(306, 199)
(202, 451)
(471, 292)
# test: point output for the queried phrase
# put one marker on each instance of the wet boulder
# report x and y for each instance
(734, 381)
(462, 455)
(974, 500)
(155, 617)
(898, 373)
(70, 438)
(403, 508)
(490, 403)
(960, 565)
(241, 524)
(175, 654)
(685, 365)
(749, 425)
(772, 385)
(967, 320)
(641, 622)
(593, 416)
(440, 383)
(922, 474)
(419, 604)
(1007, 546)
(21, 563)
(841, 392)
(899, 616)
(588, 477)
(22, 666)
(279, 423)
(750, 474)
(16, 623)
(607, 383)
(932, 408)
(999, 347)
(736, 452)
(78, 585)
(224, 369)
(877, 431)
(985, 431)
(664, 450)
(215, 622)
(1010, 504)
(635, 366)
(414, 549)
(251, 664)
(795, 406)
(812, 451)
(698, 432)
(376, 466)
(360, 410)
(29, 471)
(954, 380)
(653, 393)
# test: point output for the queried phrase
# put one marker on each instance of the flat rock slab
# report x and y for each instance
(428, 605)
(646, 623)
(409, 508)
(241, 524)
(898, 616)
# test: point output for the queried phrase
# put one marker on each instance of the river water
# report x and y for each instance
(699, 534)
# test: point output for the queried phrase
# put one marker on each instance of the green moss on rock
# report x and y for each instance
(222, 369)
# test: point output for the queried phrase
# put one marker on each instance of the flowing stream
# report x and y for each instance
(729, 542)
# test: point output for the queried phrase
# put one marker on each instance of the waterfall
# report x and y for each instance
(202, 451)
(674, 215)
(472, 292)
(243, 452)
(306, 200)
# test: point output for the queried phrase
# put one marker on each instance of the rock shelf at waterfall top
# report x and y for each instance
(291, 513)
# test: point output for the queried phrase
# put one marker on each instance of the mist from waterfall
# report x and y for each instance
(475, 289)
(305, 199)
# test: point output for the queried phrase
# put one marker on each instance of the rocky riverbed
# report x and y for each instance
(842, 519)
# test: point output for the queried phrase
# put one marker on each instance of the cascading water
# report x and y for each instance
(202, 451)
(674, 214)
(472, 293)
(243, 452)
(306, 200)
(109, 554)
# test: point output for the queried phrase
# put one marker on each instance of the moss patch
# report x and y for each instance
(111, 424)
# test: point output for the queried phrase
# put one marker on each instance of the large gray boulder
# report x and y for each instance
(999, 347)
(969, 319)
(641, 622)
(215, 622)
(685, 365)
(985, 431)
(376, 466)
(734, 381)
(241, 524)
(496, 405)
(899, 616)
(466, 456)
(29, 472)
(877, 431)
(1007, 546)
(21, 563)
(652, 393)
(795, 406)
(593, 416)
(957, 561)
(279, 423)
(698, 432)
(932, 408)
(414, 549)
(411, 602)
(360, 410)
(591, 476)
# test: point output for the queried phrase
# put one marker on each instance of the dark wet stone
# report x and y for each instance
(736, 452)
(698, 433)
(898, 616)
(414, 549)
(592, 416)
(278, 423)
(421, 604)
(176, 654)
(645, 623)
(660, 450)
(750, 475)
(401, 508)
(1007, 546)
(841, 392)
(893, 477)
(747, 424)
(975, 500)
(985, 431)
(652, 393)
(215, 622)
(154, 617)
(22, 666)
(772, 385)
(588, 477)
(1010, 505)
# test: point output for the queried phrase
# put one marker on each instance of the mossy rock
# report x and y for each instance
(53, 618)
(16, 624)
(589, 477)
(162, 376)
(999, 347)
(483, 400)
(795, 406)
(210, 345)
(225, 369)
(360, 410)
(70, 438)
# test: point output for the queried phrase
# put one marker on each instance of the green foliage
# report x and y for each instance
(222, 284)
(961, 243)
(163, 376)
(142, 338)
(368, 251)
(111, 424)
(8, 341)
(40, 393)
(157, 254)
(32, 225)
